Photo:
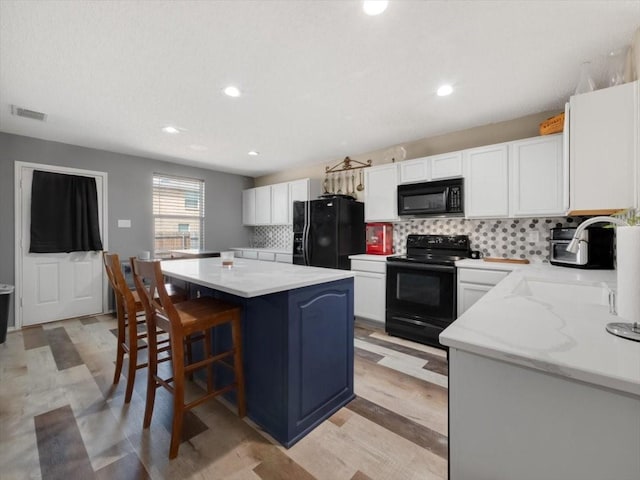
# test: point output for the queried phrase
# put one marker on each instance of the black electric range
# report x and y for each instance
(421, 287)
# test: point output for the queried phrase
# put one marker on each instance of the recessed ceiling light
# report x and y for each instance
(374, 7)
(445, 90)
(170, 129)
(253, 153)
(232, 91)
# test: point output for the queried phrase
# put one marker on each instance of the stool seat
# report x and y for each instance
(203, 312)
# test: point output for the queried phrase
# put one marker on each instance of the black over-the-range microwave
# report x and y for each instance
(443, 198)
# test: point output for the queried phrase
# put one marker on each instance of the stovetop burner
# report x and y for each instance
(435, 249)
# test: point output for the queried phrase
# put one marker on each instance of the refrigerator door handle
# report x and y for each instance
(305, 233)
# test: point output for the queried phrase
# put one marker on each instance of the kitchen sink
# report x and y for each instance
(562, 292)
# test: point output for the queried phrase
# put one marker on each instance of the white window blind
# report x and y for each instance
(178, 212)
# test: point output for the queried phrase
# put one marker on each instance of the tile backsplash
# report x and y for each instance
(508, 237)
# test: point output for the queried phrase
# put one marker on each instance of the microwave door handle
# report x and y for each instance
(446, 199)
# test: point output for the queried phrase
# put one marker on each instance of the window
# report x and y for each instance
(178, 213)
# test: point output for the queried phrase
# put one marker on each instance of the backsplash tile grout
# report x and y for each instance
(506, 237)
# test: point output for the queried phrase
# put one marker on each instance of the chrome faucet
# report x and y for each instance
(577, 236)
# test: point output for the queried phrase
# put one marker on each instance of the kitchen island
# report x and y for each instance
(297, 337)
(537, 387)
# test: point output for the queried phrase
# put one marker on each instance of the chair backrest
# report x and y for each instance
(149, 281)
(119, 284)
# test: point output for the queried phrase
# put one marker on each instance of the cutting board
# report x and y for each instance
(522, 261)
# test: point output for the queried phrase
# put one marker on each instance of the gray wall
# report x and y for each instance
(130, 191)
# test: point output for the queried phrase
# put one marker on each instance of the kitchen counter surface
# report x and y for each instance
(250, 278)
(266, 250)
(369, 257)
(551, 319)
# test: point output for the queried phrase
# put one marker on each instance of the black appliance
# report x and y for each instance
(421, 287)
(442, 198)
(595, 250)
(327, 230)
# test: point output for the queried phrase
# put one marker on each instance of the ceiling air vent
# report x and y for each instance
(23, 112)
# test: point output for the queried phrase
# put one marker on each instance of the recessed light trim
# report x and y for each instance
(445, 90)
(253, 153)
(171, 129)
(374, 7)
(232, 91)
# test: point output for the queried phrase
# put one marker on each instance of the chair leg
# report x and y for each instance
(236, 333)
(121, 340)
(208, 341)
(177, 360)
(133, 357)
(189, 349)
(152, 385)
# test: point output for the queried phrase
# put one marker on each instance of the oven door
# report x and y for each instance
(422, 291)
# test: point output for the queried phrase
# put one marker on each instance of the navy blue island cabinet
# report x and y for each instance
(298, 355)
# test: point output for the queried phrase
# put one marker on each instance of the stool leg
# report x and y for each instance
(133, 358)
(208, 340)
(177, 359)
(152, 385)
(236, 333)
(121, 340)
(189, 355)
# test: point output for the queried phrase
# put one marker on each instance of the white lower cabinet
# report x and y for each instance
(474, 283)
(252, 254)
(265, 255)
(370, 288)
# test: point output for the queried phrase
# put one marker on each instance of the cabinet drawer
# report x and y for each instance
(369, 266)
(483, 277)
(284, 258)
(250, 254)
(267, 256)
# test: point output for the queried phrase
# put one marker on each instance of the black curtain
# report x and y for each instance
(64, 213)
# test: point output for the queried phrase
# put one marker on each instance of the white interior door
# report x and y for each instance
(55, 286)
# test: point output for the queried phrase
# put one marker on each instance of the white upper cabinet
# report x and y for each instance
(538, 183)
(280, 204)
(249, 207)
(436, 167)
(447, 165)
(263, 205)
(273, 204)
(381, 193)
(416, 170)
(486, 181)
(603, 149)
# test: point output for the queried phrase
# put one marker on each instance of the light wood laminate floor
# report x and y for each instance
(61, 417)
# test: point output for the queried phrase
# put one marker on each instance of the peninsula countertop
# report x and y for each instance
(250, 278)
(550, 319)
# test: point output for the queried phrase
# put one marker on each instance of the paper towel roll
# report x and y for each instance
(628, 266)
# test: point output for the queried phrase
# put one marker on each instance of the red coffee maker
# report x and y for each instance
(379, 238)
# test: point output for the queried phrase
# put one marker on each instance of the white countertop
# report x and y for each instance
(250, 278)
(266, 250)
(369, 257)
(549, 332)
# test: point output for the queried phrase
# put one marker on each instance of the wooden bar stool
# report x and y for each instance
(181, 320)
(128, 312)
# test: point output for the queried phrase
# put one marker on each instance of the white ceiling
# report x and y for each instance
(321, 79)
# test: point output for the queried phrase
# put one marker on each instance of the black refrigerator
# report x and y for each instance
(327, 230)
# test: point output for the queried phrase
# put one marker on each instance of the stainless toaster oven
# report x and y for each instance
(595, 249)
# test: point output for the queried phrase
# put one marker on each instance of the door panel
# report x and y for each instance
(55, 286)
(323, 234)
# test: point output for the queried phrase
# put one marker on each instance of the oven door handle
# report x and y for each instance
(408, 320)
(426, 267)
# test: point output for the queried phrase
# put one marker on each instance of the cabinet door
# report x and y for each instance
(603, 143)
(267, 256)
(418, 170)
(486, 182)
(470, 293)
(263, 205)
(249, 207)
(448, 165)
(537, 177)
(298, 192)
(369, 295)
(381, 193)
(280, 204)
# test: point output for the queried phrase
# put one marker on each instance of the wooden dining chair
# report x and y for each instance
(181, 321)
(130, 316)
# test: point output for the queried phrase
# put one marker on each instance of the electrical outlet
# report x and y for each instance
(533, 236)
